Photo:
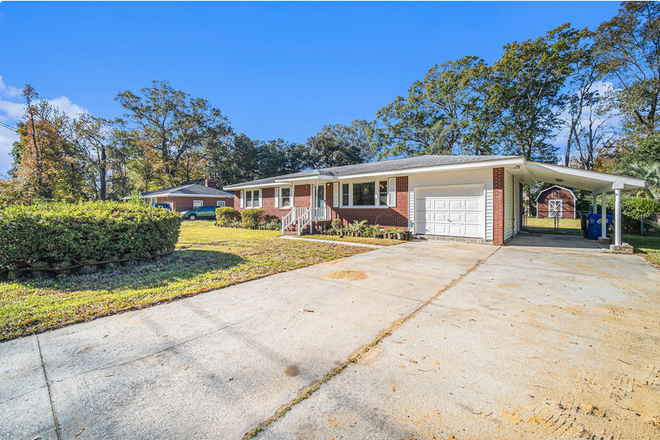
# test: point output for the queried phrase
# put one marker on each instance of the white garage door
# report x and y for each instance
(457, 211)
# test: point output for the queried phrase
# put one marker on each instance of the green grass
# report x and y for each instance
(363, 240)
(567, 226)
(206, 258)
(647, 247)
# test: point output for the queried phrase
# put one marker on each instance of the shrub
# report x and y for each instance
(273, 225)
(337, 224)
(102, 231)
(633, 209)
(252, 218)
(226, 216)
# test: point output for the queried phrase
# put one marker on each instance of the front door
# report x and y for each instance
(555, 208)
(320, 201)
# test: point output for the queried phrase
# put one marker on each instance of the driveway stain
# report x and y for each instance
(348, 275)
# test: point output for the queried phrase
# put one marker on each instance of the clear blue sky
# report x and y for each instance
(276, 70)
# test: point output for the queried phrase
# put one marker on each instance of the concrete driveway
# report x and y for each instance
(538, 339)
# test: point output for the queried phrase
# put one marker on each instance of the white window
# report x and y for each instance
(252, 199)
(367, 194)
(286, 198)
(198, 204)
(220, 204)
(345, 194)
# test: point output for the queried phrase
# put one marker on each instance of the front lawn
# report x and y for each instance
(567, 226)
(363, 240)
(206, 258)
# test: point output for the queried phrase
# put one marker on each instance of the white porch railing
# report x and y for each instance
(304, 217)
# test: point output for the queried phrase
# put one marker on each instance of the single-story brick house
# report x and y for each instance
(476, 197)
(191, 195)
(556, 201)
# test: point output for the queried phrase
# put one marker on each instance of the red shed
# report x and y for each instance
(556, 201)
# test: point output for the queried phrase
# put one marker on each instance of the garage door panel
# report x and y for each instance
(456, 204)
(472, 204)
(454, 211)
(472, 217)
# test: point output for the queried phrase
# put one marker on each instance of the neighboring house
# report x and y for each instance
(556, 201)
(456, 196)
(191, 195)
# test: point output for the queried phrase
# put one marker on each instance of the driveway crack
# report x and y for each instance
(50, 394)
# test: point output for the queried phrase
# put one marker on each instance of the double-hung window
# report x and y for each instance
(345, 194)
(286, 198)
(252, 199)
(382, 193)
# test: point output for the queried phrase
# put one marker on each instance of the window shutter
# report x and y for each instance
(241, 196)
(261, 200)
(335, 195)
(276, 200)
(391, 192)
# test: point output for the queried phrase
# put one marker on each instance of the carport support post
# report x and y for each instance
(594, 197)
(617, 217)
(603, 217)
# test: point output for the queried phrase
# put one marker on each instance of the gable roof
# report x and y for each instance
(191, 189)
(391, 165)
(557, 186)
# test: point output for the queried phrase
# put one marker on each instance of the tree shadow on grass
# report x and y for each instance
(180, 266)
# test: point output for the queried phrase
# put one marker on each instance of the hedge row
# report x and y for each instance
(633, 209)
(73, 233)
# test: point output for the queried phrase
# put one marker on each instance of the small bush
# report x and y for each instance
(273, 225)
(226, 216)
(252, 218)
(71, 233)
(337, 224)
(632, 211)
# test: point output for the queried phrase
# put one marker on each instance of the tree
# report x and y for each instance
(649, 171)
(94, 136)
(588, 111)
(526, 91)
(631, 42)
(446, 113)
(172, 123)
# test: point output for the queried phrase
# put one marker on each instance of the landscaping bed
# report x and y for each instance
(363, 240)
(206, 258)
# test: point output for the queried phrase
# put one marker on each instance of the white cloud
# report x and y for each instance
(68, 107)
(13, 110)
(9, 91)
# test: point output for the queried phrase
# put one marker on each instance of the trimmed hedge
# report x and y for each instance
(71, 234)
(227, 216)
(252, 218)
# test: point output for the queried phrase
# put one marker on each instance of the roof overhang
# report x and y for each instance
(208, 196)
(593, 181)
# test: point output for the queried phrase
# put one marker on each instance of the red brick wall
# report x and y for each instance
(388, 217)
(186, 203)
(498, 206)
(301, 195)
(568, 204)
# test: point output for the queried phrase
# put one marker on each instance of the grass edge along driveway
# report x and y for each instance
(206, 258)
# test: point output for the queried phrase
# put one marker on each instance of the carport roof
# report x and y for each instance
(592, 181)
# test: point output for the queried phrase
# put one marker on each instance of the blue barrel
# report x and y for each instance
(594, 225)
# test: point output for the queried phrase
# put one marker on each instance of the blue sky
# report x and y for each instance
(276, 70)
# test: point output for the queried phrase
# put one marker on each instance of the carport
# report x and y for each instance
(597, 183)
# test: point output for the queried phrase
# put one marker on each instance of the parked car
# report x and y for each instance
(203, 212)
(162, 205)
